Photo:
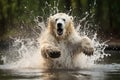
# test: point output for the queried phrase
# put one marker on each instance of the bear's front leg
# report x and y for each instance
(87, 46)
(50, 52)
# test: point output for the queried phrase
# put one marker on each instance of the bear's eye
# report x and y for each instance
(56, 19)
(63, 19)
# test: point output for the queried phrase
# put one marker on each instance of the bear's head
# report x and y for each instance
(60, 24)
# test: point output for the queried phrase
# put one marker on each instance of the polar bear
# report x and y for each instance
(60, 44)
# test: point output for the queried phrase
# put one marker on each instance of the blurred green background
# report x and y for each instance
(15, 14)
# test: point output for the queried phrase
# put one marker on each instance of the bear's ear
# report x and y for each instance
(71, 17)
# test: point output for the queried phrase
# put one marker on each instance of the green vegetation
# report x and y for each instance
(14, 13)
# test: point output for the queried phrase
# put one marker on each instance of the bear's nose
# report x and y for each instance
(59, 25)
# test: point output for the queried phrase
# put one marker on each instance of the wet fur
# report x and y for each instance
(69, 46)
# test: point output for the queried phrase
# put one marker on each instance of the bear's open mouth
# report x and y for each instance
(59, 31)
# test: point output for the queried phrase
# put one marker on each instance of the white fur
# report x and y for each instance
(70, 46)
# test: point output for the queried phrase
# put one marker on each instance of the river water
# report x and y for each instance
(107, 68)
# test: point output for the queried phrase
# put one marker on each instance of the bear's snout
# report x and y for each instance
(59, 25)
(59, 28)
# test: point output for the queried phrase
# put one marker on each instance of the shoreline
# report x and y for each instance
(113, 44)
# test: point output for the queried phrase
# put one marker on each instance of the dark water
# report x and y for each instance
(107, 69)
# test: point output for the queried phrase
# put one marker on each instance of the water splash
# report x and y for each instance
(24, 53)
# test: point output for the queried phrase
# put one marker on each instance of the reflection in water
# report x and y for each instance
(65, 75)
(100, 72)
(44, 75)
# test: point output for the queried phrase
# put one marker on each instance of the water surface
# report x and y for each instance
(106, 69)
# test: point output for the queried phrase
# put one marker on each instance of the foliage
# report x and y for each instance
(14, 13)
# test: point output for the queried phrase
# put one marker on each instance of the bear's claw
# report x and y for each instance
(54, 54)
(89, 51)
